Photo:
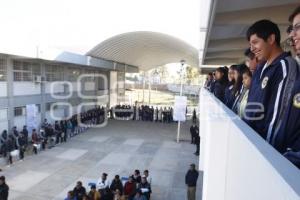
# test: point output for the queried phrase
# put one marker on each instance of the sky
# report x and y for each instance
(79, 25)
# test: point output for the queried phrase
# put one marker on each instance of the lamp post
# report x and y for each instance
(181, 86)
(155, 77)
(144, 87)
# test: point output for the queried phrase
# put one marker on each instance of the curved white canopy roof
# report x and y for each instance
(145, 50)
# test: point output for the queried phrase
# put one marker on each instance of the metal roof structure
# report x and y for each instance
(145, 50)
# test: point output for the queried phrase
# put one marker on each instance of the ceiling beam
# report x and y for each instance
(277, 14)
(222, 61)
(224, 54)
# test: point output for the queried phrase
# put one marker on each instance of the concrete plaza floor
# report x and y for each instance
(118, 148)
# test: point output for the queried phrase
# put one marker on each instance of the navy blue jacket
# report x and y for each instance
(212, 86)
(266, 92)
(229, 96)
(286, 138)
(219, 90)
(191, 178)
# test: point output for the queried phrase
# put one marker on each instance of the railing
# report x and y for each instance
(237, 163)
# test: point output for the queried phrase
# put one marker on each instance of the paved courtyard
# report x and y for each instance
(119, 148)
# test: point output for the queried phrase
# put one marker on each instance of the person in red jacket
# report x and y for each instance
(130, 188)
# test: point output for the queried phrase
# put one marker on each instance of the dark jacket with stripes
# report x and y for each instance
(266, 95)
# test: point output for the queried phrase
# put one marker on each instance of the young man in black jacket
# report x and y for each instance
(25, 132)
(79, 191)
(191, 178)
(194, 130)
(22, 145)
(3, 189)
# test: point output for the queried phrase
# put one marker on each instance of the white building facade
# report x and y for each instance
(58, 87)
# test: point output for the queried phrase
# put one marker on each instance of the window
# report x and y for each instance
(25, 71)
(54, 73)
(101, 82)
(19, 111)
(3, 69)
(91, 75)
(73, 74)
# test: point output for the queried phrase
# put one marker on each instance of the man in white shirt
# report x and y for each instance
(103, 182)
(148, 177)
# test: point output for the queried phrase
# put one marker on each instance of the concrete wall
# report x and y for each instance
(26, 88)
(237, 162)
(3, 119)
(57, 113)
(3, 89)
(113, 89)
(57, 88)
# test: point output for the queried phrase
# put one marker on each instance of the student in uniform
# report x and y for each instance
(194, 130)
(293, 32)
(156, 114)
(4, 189)
(35, 139)
(247, 77)
(251, 60)
(194, 116)
(266, 94)
(10, 146)
(191, 178)
(145, 187)
(208, 81)
(21, 145)
(229, 97)
(213, 83)
(116, 184)
(221, 83)
(25, 133)
(286, 137)
(238, 89)
(79, 191)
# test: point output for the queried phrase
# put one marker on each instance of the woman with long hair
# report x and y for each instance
(238, 88)
(221, 83)
(229, 96)
(247, 78)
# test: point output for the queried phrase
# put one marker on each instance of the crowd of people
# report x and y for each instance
(16, 143)
(143, 113)
(266, 93)
(133, 187)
